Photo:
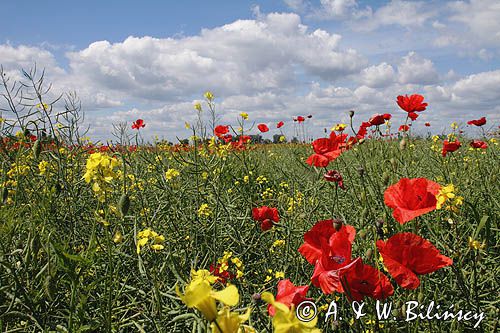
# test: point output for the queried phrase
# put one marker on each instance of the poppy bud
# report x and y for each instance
(26, 132)
(393, 163)
(420, 297)
(5, 194)
(379, 223)
(369, 254)
(361, 141)
(362, 234)
(337, 224)
(37, 148)
(361, 171)
(124, 204)
(351, 113)
(402, 144)
(385, 178)
(256, 297)
(364, 213)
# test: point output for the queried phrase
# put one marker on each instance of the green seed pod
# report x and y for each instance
(393, 163)
(37, 148)
(402, 144)
(420, 297)
(369, 254)
(364, 213)
(49, 286)
(385, 178)
(124, 204)
(362, 234)
(5, 194)
(363, 196)
(351, 113)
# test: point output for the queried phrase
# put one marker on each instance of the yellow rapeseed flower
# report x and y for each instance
(171, 174)
(244, 115)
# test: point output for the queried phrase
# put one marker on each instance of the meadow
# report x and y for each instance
(155, 237)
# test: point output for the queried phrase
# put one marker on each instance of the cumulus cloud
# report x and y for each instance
(417, 70)
(378, 76)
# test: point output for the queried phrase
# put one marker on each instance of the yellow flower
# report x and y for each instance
(171, 174)
(204, 210)
(279, 275)
(339, 127)
(229, 322)
(201, 296)
(209, 96)
(285, 320)
(149, 236)
(197, 107)
(118, 237)
(203, 275)
(444, 194)
(282, 138)
(454, 125)
(246, 179)
(244, 115)
(42, 167)
(187, 125)
(475, 244)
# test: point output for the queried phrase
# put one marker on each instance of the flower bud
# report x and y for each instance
(37, 148)
(351, 113)
(256, 297)
(337, 224)
(124, 204)
(369, 254)
(402, 144)
(385, 178)
(361, 171)
(362, 234)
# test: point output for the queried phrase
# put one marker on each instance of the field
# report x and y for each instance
(137, 237)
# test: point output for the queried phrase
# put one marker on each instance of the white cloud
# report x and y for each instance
(417, 70)
(378, 76)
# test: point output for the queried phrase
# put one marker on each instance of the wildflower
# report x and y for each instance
(399, 259)
(220, 130)
(42, 167)
(449, 147)
(266, 216)
(209, 96)
(244, 115)
(282, 138)
(404, 128)
(376, 120)
(454, 125)
(201, 296)
(478, 144)
(334, 176)
(148, 236)
(446, 193)
(477, 122)
(410, 198)
(100, 169)
(171, 174)
(288, 294)
(278, 243)
(280, 124)
(118, 237)
(187, 125)
(300, 119)
(279, 275)
(138, 124)
(412, 103)
(263, 128)
(229, 321)
(427, 124)
(202, 275)
(339, 127)
(204, 211)
(475, 244)
(197, 106)
(327, 150)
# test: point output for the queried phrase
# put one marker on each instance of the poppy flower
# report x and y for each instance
(413, 116)
(265, 215)
(263, 128)
(138, 124)
(479, 144)
(362, 280)
(300, 119)
(280, 124)
(449, 147)
(410, 198)
(222, 276)
(387, 116)
(334, 176)
(412, 103)
(288, 294)
(404, 128)
(221, 130)
(427, 124)
(227, 138)
(477, 122)
(362, 129)
(327, 149)
(377, 119)
(407, 255)
(329, 269)
(320, 235)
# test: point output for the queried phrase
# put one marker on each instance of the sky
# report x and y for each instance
(272, 59)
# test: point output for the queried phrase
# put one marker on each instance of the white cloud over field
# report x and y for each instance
(275, 67)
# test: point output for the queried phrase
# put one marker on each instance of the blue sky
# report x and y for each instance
(274, 59)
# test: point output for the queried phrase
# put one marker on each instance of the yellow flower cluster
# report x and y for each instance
(279, 243)
(148, 236)
(100, 169)
(268, 193)
(261, 180)
(339, 127)
(447, 194)
(244, 115)
(204, 211)
(171, 174)
(475, 244)
(224, 264)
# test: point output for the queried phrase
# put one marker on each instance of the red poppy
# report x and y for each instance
(138, 124)
(427, 124)
(449, 147)
(477, 122)
(412, 103)
(265, 215)
(387, 116)
(407, 255)
(222, 276)
(221, 130)
(329, 269)
(240, 143)
(327, 149)
(334, 176)
(362, 129)
(479, 144)
(404, 128)
(364, 280)
(377, 119)
(280, 124)
(300, 119)
(413, 116)
(263, 128)
(320, 235)
(288, 294)
(227, 138)
(410, 198)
